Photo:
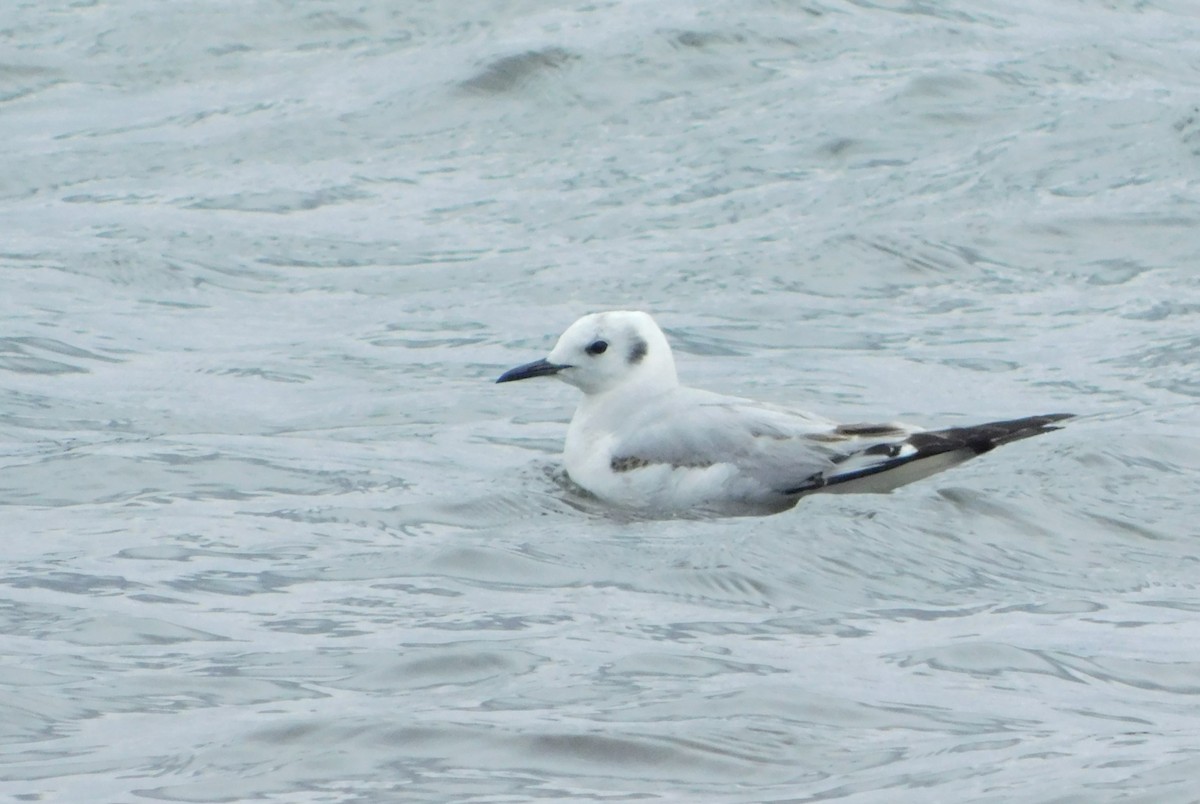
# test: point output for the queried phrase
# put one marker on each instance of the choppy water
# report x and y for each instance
(269, 533)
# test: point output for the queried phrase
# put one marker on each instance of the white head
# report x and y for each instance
(603, 351)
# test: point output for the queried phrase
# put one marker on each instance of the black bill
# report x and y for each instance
(538, 368)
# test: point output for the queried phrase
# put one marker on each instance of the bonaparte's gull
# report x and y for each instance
(641, 440)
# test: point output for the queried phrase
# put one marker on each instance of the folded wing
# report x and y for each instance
(785, 455)
(889, 464)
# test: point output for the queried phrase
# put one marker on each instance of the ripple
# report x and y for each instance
(510, 73)
(987, 659)
(78, 626)
(19, 355)
(282, 201)
(466, 664)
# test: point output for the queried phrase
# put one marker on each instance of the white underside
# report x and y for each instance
(883, 482)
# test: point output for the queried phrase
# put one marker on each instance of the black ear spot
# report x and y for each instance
(637, 351)
(596, 347)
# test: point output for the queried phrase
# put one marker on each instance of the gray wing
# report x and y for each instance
(794, 454)
(778, 449)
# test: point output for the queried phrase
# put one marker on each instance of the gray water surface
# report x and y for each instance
(270, 532)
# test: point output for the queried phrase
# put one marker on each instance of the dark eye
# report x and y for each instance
(597, 347)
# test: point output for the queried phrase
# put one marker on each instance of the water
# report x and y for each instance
(271, 534)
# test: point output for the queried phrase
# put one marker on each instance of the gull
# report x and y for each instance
(640, 440)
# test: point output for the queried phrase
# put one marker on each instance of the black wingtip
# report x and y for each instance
(977, 439)
(984, 437)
